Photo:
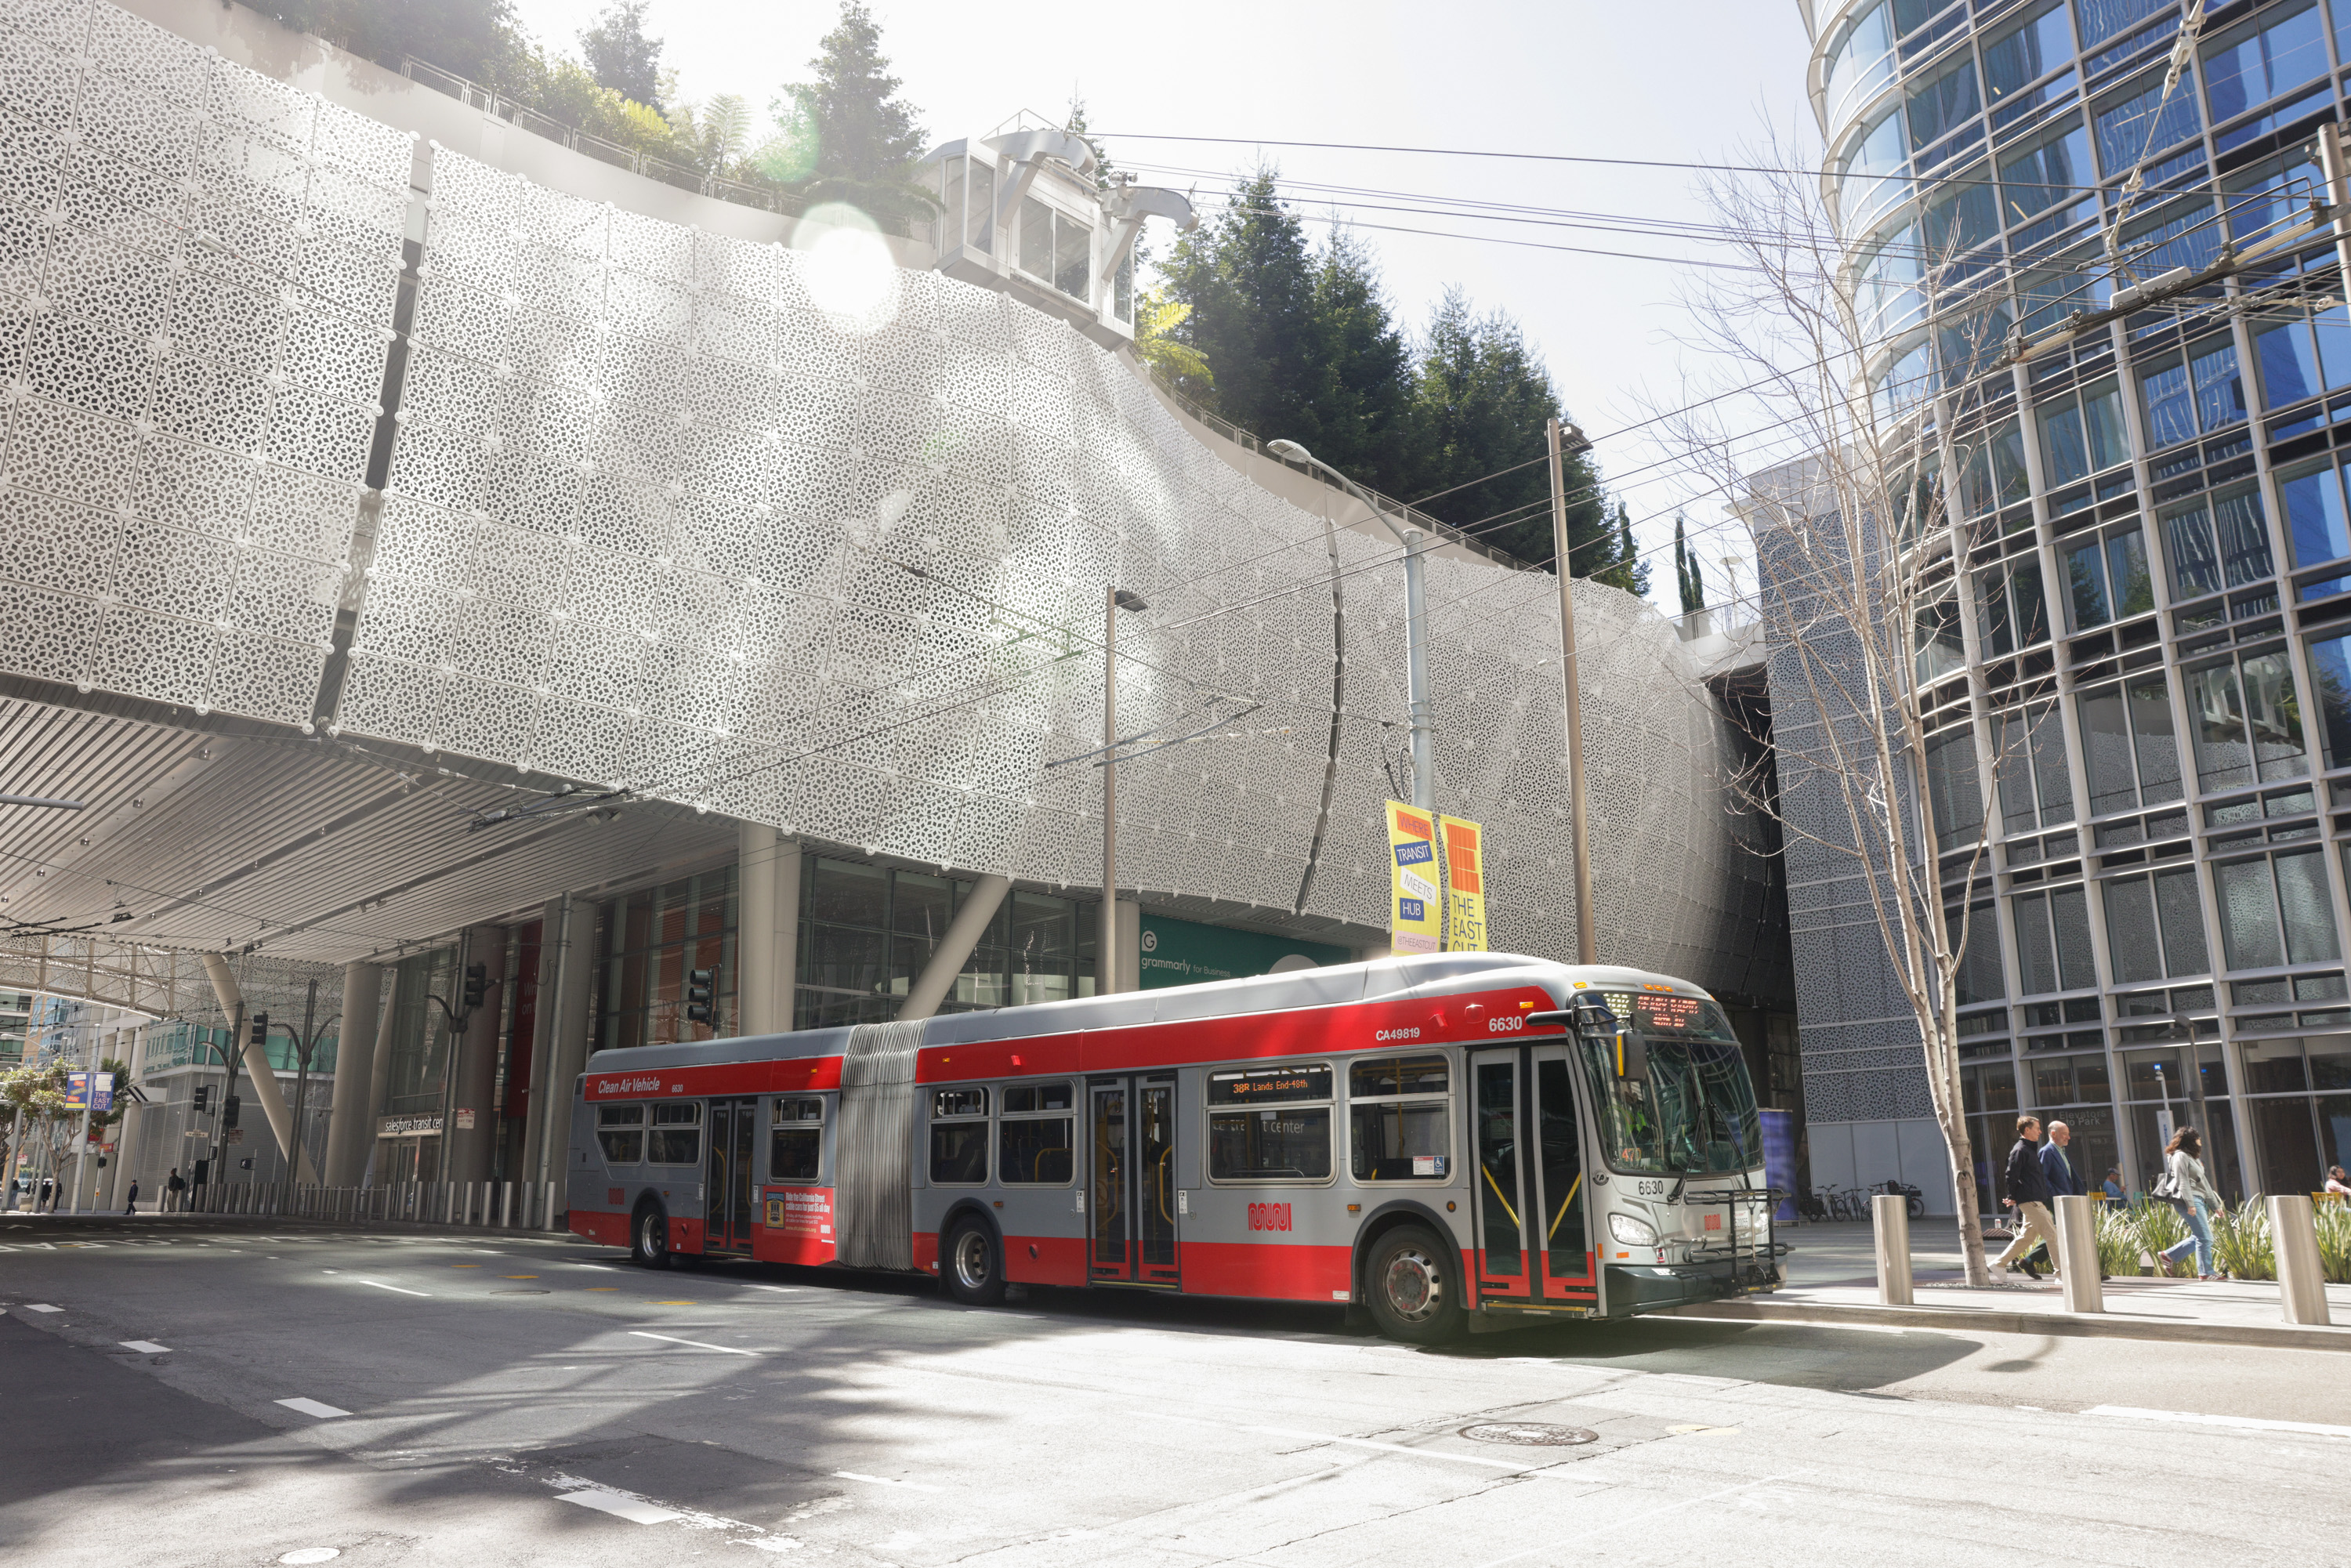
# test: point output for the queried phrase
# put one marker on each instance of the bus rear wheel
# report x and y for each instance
(649, 1238)
(1414, 1283)
(975, 1274)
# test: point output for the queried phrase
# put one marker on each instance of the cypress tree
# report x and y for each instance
(1686, 575)
(847, 136)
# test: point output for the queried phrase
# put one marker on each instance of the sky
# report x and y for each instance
(1691, 81)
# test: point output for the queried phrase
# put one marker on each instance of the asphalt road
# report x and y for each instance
(528, 1401)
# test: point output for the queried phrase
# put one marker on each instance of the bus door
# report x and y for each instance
(1131, 1227)
(1532, 1241)
(727, 1214)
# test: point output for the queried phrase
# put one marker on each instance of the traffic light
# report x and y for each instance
(477, 980)
(229, 1111)
(701, 990)
(203, 1098)
(261, 1029)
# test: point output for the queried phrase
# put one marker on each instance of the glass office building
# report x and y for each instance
(2146, 677)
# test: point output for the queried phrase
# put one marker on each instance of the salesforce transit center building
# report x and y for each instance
(2146, 679)
(445, 552)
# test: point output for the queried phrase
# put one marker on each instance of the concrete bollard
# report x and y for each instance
(2302, 1278)
(2078, 1254)
(1892, 1215)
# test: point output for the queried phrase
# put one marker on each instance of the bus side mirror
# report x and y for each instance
(1632, 1057)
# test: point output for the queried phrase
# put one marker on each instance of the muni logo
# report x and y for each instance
(1269, 1217)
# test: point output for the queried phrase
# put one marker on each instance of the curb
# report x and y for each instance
(2064, 1325)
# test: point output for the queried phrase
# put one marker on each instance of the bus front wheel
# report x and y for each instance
(975, 1274)
(1413, 1281)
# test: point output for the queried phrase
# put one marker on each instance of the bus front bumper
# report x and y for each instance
(1644, 1288)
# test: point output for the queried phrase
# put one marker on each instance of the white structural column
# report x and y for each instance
(767, 942)
(476, 1062)
(350, 1121)
(378, 1081)
(573, 936)
(257, 1071)
(930, 988)
(1130, 946)
(132, 1056)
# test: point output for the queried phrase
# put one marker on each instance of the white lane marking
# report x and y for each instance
(41, 1307)
(312, 1407)
(885, 1481)
(313, 1554)
(403, 1290)
(2242, 1423)
(1392, 1448)
(1797, 1323)
(636, 1511)
(696, 1343)
(780, 1290)
(1558, 1541)
(145, 1346)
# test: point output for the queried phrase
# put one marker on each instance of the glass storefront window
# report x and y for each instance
(2302, 356)
(2108, 580)
(2080, 435)
(2312, 498)
(2275, 910)
(2216, 541)
(2199, 391)
(2245, 720)
(2036, 789)
(2330, 664)
(2128, 744)
(867, 933)
(2052, 941)
(2105, 20)
(650, 941)
(1864, 62)
(2270, 195)
(1943, 101)
(2028, 51)
(2143, 120)
(2154, 926)
(2257, 63)
(1952, 795)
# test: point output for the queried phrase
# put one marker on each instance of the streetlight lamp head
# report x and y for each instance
(1127, 599)
(1291, 450)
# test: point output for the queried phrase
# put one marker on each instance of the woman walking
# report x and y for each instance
(2185, 1183)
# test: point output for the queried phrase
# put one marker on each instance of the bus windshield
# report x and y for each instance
(1692, 1113)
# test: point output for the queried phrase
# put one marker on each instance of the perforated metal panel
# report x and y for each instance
(197, 266)
(654, 518)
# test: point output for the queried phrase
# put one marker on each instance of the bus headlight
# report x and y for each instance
(1631, 1230)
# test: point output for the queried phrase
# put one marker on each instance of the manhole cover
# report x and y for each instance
(1530, 1434)
(518, 1292)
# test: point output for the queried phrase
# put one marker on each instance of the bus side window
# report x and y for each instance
(796, 1142)
(1400, 1119)
(678, 1134)
(621, 1129)
(1033, 1139)
(959, 1137)
(1270, 1124)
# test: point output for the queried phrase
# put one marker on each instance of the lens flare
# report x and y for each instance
(847, 269)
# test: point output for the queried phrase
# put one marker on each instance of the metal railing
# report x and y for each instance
(522, 117)
(494, 1204)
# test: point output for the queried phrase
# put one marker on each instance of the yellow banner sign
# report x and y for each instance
(1465, 885)
(1416, 904)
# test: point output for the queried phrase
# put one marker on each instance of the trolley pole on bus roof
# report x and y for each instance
(1565, 439)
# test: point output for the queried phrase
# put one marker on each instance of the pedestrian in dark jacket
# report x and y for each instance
(2057, 1165)
(2028, 1195)
(130, 1203)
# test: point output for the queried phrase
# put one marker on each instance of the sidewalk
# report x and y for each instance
(1833, 1278)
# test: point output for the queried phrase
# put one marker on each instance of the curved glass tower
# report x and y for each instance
(2147, 675)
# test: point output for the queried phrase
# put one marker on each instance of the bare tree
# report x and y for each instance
(1857, 553)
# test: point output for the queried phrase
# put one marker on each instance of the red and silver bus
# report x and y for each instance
(1442, 1140)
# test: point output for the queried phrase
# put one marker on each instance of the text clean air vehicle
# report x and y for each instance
(1442, 1139)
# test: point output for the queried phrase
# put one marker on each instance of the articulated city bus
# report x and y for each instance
(1442, 1140)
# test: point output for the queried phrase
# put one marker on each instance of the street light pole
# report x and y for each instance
(1114, 599)
(1564, 439)
(1415, 612)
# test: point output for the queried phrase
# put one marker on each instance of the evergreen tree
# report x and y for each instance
(1629, 572)
(621, 56)
(1686, 573)
(1364, 390)
(847, 136)
(1248, 277)
(477, 39)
